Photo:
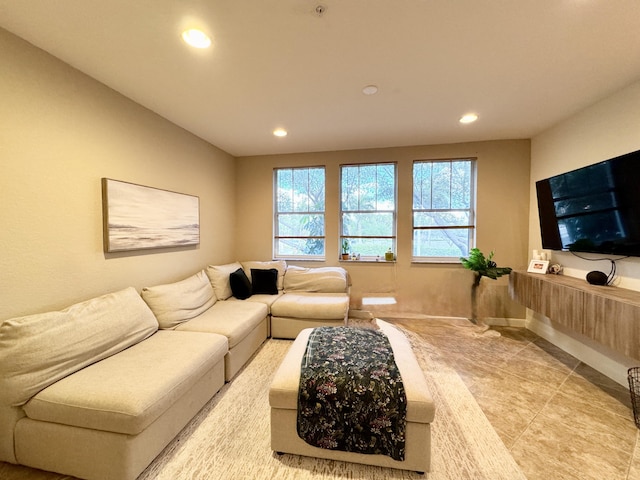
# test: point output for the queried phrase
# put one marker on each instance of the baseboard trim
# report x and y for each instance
(506, 322)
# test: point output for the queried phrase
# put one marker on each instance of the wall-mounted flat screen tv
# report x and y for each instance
(593, 209)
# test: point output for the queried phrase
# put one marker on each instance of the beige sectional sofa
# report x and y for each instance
(99, 389)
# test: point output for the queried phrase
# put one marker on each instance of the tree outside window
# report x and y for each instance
(299, 219)
(443, 209)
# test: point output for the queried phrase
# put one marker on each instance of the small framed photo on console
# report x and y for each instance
(538, 266)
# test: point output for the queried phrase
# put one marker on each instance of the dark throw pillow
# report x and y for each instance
(264, 281)
(240, 284)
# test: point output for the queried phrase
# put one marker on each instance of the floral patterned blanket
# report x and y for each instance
(351, 395)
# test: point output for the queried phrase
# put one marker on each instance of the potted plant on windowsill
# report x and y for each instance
(345, 249)
(482, 267)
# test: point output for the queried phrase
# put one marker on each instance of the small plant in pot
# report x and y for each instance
(482, 267)
(345, 249)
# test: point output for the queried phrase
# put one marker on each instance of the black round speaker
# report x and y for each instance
(597, 278)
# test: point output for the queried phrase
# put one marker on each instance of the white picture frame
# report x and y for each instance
(538, 266)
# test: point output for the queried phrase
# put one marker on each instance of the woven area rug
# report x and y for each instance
(229, 438)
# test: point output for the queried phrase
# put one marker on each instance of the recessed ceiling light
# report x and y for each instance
(469, 118)
(196, 38)
(280, 132)
(370, 90)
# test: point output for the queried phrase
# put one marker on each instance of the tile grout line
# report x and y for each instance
(551, 397)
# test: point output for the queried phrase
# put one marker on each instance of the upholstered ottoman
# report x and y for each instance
(283, 399)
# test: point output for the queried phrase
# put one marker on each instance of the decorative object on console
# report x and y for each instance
(136, 217)
(555, 269)
(541, 255)
(538, 266)
(482, 267)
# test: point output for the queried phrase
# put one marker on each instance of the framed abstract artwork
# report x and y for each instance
(136, 217)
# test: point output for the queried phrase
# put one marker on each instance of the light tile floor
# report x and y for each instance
(561, 419)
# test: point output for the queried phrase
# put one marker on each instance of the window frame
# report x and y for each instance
(277, 214)
(394, 214)
(471, 226)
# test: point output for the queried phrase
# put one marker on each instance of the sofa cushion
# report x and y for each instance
(233, 319)
(279, 265)
(174, 303)
(127, 392)
(267, 300)
(264, 281)
(219, 277)
(240, 284)
(324, 306)
(319, 279)
(38, 350)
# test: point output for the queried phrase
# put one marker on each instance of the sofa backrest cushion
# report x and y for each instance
(219, 277)
(279, 265)
(38, 350)
(318, 279)
(174, 303)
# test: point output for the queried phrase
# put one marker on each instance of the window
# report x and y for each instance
(443, 209)
(299, 230)
(368, 208)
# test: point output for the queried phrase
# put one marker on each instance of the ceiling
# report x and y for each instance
(521, 65)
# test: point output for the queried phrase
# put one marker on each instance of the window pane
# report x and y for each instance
(368, 187)
(370, 247)
(301, 190)
(422, 185)
(300, 225)
(350, 188)
(441, 218)
(386, 187)
(461, 185)
(441, 242)
(367, 224)
(316, 189)
(285, 190)
(441, 185)
(299, 247)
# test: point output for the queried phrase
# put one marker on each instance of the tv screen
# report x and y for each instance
(593, 209)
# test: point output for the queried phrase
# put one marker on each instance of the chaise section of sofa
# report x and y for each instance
(111, 419)
(313, 297)
(96, 391)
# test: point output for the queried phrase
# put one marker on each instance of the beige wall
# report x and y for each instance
(502, 219)
(60, 133)
(606, 129)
